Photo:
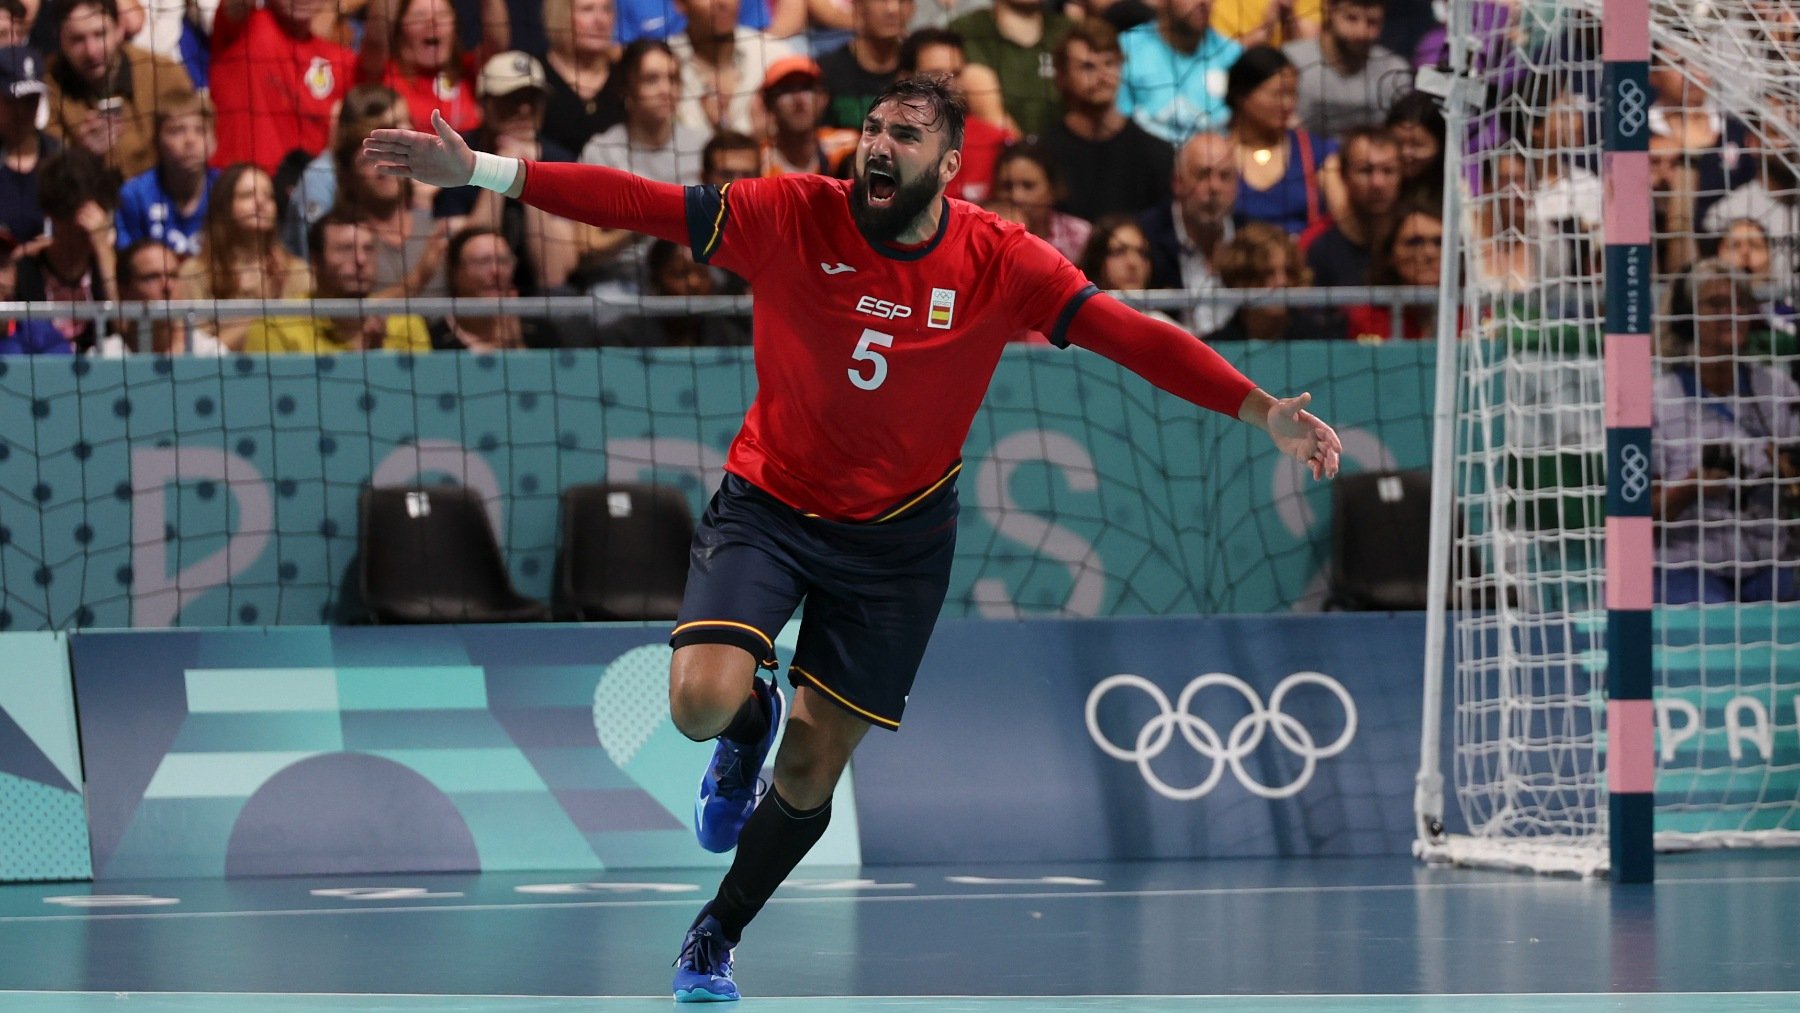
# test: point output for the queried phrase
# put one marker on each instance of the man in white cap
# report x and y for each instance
(514, 93)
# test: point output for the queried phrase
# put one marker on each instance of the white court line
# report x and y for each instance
(664, 996)
(350, 995)
(1510, 882)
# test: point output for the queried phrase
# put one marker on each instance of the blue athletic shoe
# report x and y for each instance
(728, 788)
(703, 971)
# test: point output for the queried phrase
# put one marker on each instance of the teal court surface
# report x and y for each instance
(1718, 933)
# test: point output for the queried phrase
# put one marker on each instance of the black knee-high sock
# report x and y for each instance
(751, 722)
(775, 838)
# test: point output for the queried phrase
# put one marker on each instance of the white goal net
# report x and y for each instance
(1513, 764)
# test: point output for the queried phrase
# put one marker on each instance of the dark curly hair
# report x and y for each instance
(71, 178)
(937, 93)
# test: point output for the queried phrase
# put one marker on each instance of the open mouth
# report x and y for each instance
(882, 186)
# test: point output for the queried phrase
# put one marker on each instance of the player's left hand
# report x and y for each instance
(1301, 435)
(441, 159)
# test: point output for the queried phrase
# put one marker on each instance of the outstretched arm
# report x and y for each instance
(595, 194)
(1181, 364)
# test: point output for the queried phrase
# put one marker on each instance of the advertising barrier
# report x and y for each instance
(1230, 736)
(400, 749)
(43, 828)
(391, 749)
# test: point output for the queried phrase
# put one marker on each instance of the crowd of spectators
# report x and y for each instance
(1176, 144)
(159, 150)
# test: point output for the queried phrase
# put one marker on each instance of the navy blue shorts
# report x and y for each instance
(872, 592)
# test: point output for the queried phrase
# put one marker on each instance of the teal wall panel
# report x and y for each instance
(202, 493)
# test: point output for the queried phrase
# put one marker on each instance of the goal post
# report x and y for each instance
(1570, 718)
(1629, 381)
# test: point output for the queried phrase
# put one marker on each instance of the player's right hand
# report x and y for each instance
(1302, 436)
(440, 159)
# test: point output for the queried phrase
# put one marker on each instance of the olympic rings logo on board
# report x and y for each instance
(1228, 751)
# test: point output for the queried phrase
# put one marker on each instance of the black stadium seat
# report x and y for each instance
(1380, 540)
(623, 552)
(429, 555)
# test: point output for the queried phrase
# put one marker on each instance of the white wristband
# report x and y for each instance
(494, 172)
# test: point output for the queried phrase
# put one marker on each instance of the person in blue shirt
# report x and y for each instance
(664, 19)
(1174, 74)
(167, 203)
(1287, 176)
(23, 337)
(34, 337)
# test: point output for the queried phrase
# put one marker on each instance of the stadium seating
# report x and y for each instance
(429, 555)
(622, 552)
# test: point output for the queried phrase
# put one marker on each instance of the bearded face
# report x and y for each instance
(885, 202)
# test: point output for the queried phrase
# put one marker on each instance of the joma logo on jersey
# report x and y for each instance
(882, 308)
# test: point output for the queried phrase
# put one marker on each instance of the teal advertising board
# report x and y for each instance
(43, 827)
(398, 749)
(391, 749)
(153, 492)
(1727, 714)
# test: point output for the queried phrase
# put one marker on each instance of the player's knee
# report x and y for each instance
(807, 780)
(707, 685)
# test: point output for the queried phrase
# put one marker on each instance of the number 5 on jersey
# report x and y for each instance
(865, 352)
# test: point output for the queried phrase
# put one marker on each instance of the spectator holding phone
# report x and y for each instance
(102, 91)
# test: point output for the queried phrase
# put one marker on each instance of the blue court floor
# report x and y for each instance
(1717, 933)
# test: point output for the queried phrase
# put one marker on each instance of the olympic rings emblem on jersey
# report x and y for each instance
(1634, 473)
(1634, 108)
(1240, 742)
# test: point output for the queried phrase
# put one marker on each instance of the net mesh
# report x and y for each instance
(1528, 660)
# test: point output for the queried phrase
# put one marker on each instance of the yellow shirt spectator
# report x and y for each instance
(1250, 22)
(321, 336)
(342, 251)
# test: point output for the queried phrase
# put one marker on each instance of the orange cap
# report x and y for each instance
(791, 66)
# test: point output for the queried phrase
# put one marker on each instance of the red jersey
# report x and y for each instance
(450, 91)
(870, 361)
(273, 92)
